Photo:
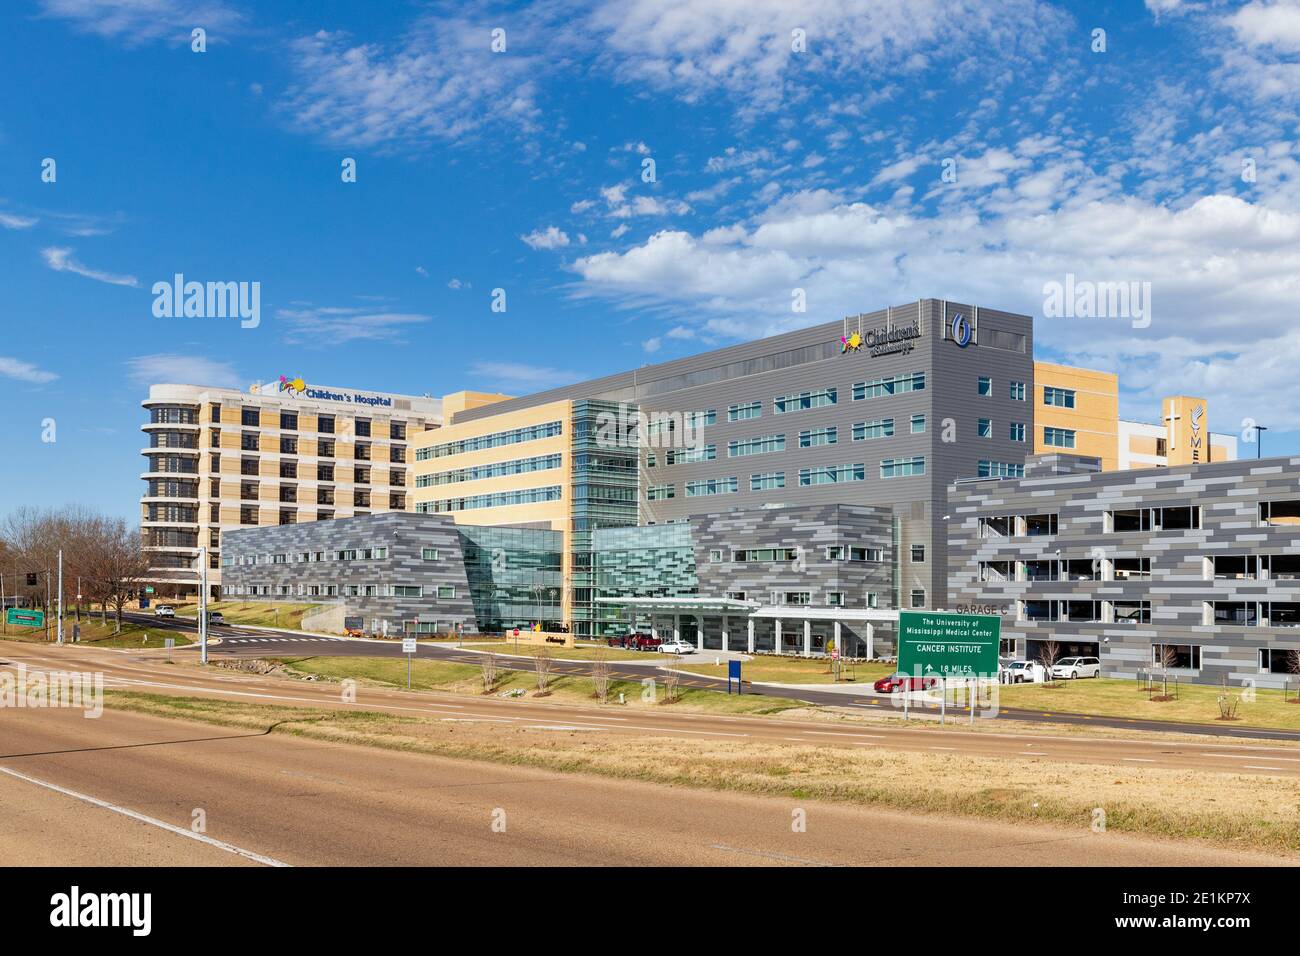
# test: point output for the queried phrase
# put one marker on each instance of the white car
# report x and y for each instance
(676, 647)
(164, 610)
(1075, 667)
(1024, 672)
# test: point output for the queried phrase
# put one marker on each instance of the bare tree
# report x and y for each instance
(1293, 667)
(488, 664)
(600, 675)
(1165, 658)
(118, 565)
(542, 663)
(672, 682)
(1227, 703)
(1048, 654)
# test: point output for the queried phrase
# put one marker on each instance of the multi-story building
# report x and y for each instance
(1191, 567)
(280, 453)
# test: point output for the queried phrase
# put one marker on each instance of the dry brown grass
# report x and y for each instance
(1224, 808)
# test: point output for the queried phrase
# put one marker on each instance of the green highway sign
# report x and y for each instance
(149, 590)
(24, 618)
(938, 644)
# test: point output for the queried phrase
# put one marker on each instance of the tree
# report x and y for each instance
(542, 663)
(488, 664)
(600, 675)
(118, 565)
(1048, 654)
(1293, 666)
(1165, 658)
(672, 681)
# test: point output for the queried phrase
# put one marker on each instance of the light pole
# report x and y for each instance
(1259, 440)
(203, 605)
(60, 618)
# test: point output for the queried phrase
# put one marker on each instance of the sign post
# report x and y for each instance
(408, 648)
(943, 645)
(733, 673)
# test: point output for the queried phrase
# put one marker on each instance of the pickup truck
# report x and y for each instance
(635, 642)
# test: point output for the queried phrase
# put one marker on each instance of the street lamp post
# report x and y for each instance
(1259, 440)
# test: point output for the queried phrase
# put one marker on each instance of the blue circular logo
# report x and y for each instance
(960, 330)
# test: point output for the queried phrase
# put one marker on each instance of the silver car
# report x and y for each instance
(1076, 667)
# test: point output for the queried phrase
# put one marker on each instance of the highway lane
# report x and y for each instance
(276, 799)
(255, 642)
(148, 672)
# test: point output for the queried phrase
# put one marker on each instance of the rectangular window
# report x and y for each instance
(1018, 391)
(881, 428)
(894, 385)
(1000, 469)
(1058, 437)
(985, 385)
(1058, 397)
(446, 592)
(812, 438)
(865, 554)
(831, 474)
(660, 492)
(1132, 612)
(918, 597)
(804, 400)
(429, 554)
(902, 467)
(797, 598)
(501, 499)
(325, 424)
(1186, 657)
(250, 417)
(712, 486)
(763, 555)
(918, 554)
(918, 424)
(687, 456)
(835, 552)
(408, 590)
(1040, 524)
(985, 428)
(700, 419)
(756, 446)
(767, 481)
(834, 598)
(494, 440)
(1016, 431)
(744, 412)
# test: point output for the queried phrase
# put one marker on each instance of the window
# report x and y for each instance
(248, 466)
(998, 572)
(881, 428)
(397, 453)
(361, 475)
(324, 448)
(1041, 570)
(324, 472)
(288, 469)
(517, 466)
(755, 555)
(248, 515)
(494, 440)
(918, 597)
(325, 424)
(250, 417)
(831, 474)
(835, 552)
(902, 467)
(1174, 518)
(1058, 397)
(1233, 567)
(500, 499)
(1282, 513)
(985, 428)
(288, 445)
(1040, 524)
(362, 429)
(812, 438)
(397, 431)
(288, 493)
(894, 385)
(797, 598)
(865, 554)
(804, 400)
(985, 385)
(767, 481)
(430, 554)
(1235, 613)
(1058, 437)
(361, 452)
(289, 421)
(686, 456)
(1040, 611)
(744, 412)
(712, 486)
(660, 492)
(1017, 391)
(1084, 612)
(756, 446)
(1081, 569)
(834, 598)
(918, 424)
(1001, 469)
(918, 554)
(1132, 612)
(1176, 656)
(715, 556)
(1016, 431)
(248, 441)
(408, 590)
(1132, 569)
(446, 592)
(214, 412)
(700, 419)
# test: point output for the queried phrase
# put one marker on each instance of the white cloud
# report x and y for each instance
(520, 377)
(326, 326)
(422, 271)
(1275, 25)
(652, 345)
(455, 283)
(24, 371)
(59, 258)
(181, 370)
(11, 221)
(552, 237)
(140, 21)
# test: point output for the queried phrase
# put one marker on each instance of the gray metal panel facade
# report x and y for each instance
(1180, 585)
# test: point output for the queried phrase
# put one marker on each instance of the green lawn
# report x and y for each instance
(580, 653)
(794, 670)
(94, 633)
(260, 613)
(1196, 703)
(466, 679)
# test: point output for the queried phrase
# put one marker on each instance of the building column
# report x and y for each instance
(838, 646)
(749, 627)
(776, 621)
(677, 628)
(699, 632)
(807, 637)
(654, 626)
(724, 632)
(871, 641)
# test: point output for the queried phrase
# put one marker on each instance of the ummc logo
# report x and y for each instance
(961, 331)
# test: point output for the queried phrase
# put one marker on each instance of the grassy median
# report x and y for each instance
(773, 669)
(257, 613)
(95, 633)
(1246, 811)
(580, 653)
(565, 689)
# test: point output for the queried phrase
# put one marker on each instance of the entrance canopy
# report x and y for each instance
(683, 605)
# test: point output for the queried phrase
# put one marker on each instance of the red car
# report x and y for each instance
(635, 642)
(898, 682)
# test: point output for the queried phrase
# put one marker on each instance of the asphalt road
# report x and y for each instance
(128, 788)
(246, 642)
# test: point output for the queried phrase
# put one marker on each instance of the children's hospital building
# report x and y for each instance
(798, 490)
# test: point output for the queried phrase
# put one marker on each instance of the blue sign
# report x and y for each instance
(961, 330)
(733, 673)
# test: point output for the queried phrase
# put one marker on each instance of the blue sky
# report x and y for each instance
(783, 161)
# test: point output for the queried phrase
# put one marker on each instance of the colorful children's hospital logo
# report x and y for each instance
(850, 342)
(294, 386)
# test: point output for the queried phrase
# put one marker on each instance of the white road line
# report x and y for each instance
(833, 733)
(1250, 757)
(161, 824)
(943, 748)
(1138, 760)
(1033, 753)
(1253, 766)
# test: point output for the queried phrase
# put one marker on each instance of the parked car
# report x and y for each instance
(676, 647)
(900, 682)
(637, 641)
(214, 617)
(1022, 672)
(1076, 667)
(164, 610)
